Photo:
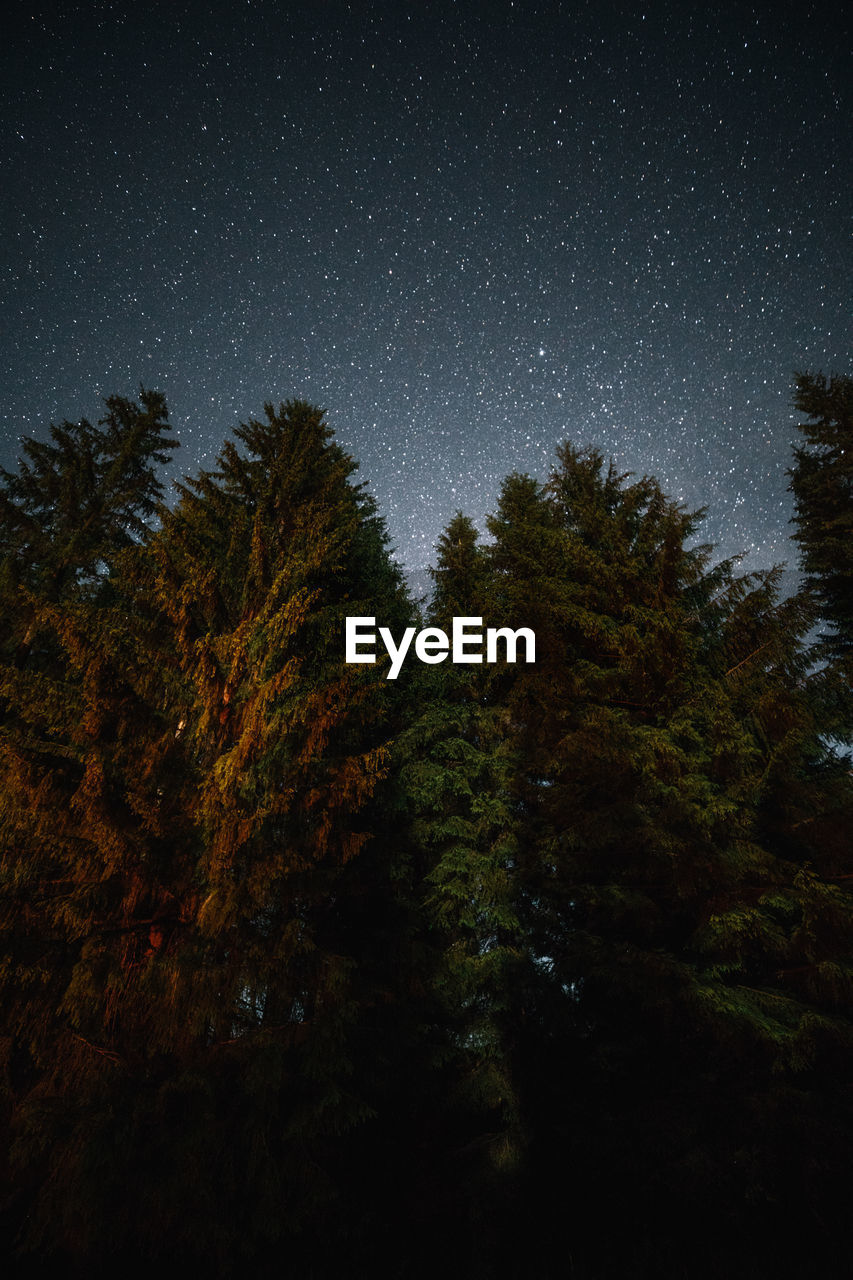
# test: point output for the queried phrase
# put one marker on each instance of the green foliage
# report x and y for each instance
(80, 497)
(822, 484)
(300, 964)
(672, 777)
(194, 895)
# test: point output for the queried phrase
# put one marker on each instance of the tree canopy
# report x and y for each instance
(504, 968)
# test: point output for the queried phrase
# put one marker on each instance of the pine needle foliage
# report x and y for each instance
(300, 965)
(671, 767)
(822, 484)
(456, 771)
(194, 896)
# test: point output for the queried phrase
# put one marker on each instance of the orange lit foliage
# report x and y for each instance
(194, 768)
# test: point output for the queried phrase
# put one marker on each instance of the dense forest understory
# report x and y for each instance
(499, 970)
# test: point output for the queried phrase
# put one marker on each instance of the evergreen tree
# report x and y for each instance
(822, 483)
(256, 569)
(75, 501)
(75, 801)
(671, 768)
(456, 773)
(299, 963)
(220, 895)
(460, 575)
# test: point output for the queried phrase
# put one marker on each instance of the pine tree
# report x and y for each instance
(671, 770)
(460, 574)
(70, 685)
(456, 776)
(822, 484)
(297, 960)
(257, 568)
(76, 500)
(220, 892)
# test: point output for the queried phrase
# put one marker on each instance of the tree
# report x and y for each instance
(302, 963)
(221, 892)
(822, 484)
(460, 575)
(71, 690)
(671, 770)
(76, 501)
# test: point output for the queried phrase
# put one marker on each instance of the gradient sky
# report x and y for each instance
(468, 231)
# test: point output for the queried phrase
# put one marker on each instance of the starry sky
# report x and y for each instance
(467, 230)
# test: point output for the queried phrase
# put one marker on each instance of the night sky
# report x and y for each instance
(468, 231)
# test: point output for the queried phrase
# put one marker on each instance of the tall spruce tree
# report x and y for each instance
(256, 569)
(456, 772)
(688, 949)
(822, 484)
(75, 501)
(75, 802)
(219, 892)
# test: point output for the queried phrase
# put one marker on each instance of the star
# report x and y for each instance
(380, 224)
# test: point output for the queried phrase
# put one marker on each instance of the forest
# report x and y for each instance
(503, 970)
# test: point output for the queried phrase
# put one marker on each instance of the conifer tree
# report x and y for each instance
(77, 504)
(460, 574)
(298, 961)
(75, 801)
(223, 901)
(822, 483)
(470, 822)
(670, 771)
(257, 568)
(75, 501)
(456, 774)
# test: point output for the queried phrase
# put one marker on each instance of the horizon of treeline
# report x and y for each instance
(502, 970)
